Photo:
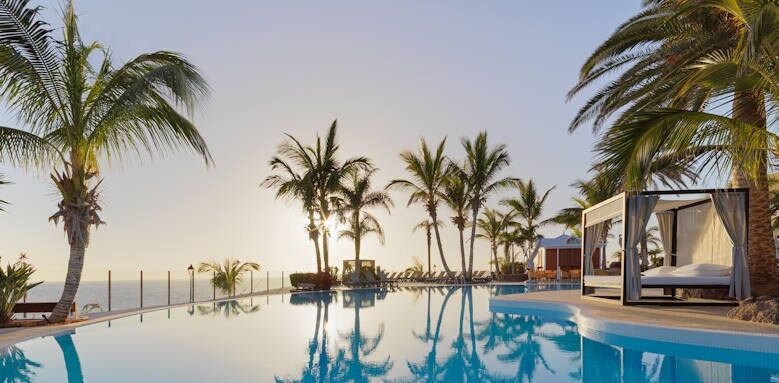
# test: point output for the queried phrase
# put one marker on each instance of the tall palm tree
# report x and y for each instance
(290, 184)
(696, 86)
(457, 195)
(427, 226)
(74, 115)
(319, 165)
(482, 166)
(353, 200)
(529, 206)
(491, 227)
(228, 275)
(428, 171)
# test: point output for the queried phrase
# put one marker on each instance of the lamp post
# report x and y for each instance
(191, 270)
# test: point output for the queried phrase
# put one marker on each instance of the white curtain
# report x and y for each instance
(702, 237)
(732, 212)
(532, 257)
(638, 214)
(593, 235)
(665, 222)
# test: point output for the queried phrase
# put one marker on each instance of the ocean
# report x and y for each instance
(126, 294)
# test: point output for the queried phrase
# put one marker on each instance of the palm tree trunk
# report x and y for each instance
(357, 263)
(495, 255)
(325, 250)
(461, 229)
(429, 240)
(434, 217)
(313, 234)
(72, 281)
(72, 360)
(473, 241)
(748, 107)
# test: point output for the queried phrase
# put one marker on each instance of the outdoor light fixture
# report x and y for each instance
(191, 270)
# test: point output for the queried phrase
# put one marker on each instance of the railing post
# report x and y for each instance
(141, 288)
(109, 290)
(267, 282)
(282, 280)
(251, 282)
(213, 283)
(168, 287)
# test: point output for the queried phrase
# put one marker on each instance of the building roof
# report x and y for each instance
(562, 242)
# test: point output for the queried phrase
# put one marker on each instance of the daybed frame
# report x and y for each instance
(670, 297)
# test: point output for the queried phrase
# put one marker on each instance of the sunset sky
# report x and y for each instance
(389, 71)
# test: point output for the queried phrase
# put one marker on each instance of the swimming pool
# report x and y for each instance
(411, 334)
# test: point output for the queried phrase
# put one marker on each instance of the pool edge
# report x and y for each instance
(590, 324)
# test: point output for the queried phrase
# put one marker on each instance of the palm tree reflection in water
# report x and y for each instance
(15, 366)
(460, 345)
(227, 309)
(348, 360)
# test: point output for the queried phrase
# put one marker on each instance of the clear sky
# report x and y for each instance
(389, 71)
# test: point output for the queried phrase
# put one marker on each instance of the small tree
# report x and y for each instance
(227, 276)
(14, 284)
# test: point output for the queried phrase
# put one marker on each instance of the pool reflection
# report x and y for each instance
(15, 366)
(499, 348)
(411, 334)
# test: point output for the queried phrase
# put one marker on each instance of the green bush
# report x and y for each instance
(322, 281)
(519, 268)
(14, 283)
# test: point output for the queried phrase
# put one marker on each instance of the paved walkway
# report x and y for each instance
(690, 317)
(693, 317)
(12, 335)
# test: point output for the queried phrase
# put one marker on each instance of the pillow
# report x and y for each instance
(702, 270)
(657, 271)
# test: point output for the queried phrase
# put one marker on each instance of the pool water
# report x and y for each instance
(410, 334)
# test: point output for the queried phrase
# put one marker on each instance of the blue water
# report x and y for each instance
(411, 334)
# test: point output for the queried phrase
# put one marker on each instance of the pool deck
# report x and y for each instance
(13, 335)
(697, 325)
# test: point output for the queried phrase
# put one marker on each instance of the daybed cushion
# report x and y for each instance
(702, 270)
(660, 280)
(662, 270)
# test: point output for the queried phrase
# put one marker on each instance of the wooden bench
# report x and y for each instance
(39, 307)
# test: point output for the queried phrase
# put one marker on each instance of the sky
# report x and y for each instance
(390, 72)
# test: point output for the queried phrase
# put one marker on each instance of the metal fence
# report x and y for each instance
(123, 290)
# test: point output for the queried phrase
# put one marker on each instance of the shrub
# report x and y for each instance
(14, 283)
(322, 280)
(519, 268)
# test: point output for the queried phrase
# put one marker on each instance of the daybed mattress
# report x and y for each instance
(660, 280)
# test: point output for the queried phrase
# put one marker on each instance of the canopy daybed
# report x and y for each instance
(703, 235)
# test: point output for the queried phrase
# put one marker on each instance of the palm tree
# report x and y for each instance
(510, 237)
(695, 87)
(319, 165)
(529, 206)
(457, 195)
(591, 193)
(482, 165)
(228, 275)
(428, 171)
(427, 226)
(290, 184)
(491, 227)
(74, 114)
(354, 197)
(416, 265)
